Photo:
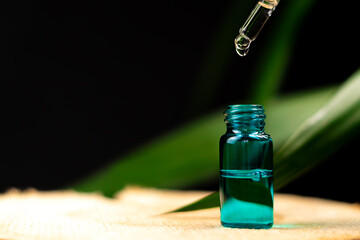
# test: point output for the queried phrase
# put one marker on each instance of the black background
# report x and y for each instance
(84, 82)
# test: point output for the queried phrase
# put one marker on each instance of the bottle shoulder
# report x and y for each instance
(232, 137)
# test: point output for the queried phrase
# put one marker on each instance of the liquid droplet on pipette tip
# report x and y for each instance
(241, 52)
(242, 44)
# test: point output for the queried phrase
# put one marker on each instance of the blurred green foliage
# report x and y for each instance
(189, 155)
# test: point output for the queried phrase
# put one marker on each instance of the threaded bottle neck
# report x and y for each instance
(245, 118)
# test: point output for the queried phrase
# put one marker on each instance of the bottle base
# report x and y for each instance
(247, 225)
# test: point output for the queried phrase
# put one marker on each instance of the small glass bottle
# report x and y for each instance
(246, 169)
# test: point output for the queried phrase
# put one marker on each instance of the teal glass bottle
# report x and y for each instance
(246, 169)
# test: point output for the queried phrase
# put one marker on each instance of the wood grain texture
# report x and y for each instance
(137, 213)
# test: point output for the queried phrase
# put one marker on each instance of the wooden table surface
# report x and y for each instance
(136, 213)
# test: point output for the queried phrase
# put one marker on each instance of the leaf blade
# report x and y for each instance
(209, 201)
(319, 136)
(189, 155)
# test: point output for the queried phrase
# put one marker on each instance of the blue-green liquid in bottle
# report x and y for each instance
(246, 169)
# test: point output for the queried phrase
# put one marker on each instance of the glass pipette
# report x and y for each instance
(253, 25)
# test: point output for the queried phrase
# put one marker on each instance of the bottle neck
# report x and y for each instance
(244, 119)
(244, 128)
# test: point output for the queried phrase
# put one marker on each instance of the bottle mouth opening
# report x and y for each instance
(245, 107)
(244, 113)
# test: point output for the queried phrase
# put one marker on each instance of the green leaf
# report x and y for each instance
(209, 201)
(189, 155)
(178, 159)
(277, 50)
(286, 113)
(322, 134)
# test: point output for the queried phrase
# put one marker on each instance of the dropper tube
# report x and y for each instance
(253, 25)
